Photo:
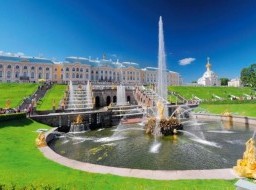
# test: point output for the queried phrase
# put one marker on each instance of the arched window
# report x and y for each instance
(67, 75)
(87, 70)
(47, 69)
(32, 68)
(1, 66)
(40, 69)
(39, 75)
(47, 75)
(81, 76)
(73, 69)
(81, 70)
(25, 67)
(9, 66)
(17, 67)
(77, 69)
(32, 75)
(17, 75)
(67, 69)
(73, 75)
(77, 75)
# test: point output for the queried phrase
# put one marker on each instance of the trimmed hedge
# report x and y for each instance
(12, 116)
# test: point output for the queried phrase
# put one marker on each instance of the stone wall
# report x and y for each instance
(232, 118)
(93, 119)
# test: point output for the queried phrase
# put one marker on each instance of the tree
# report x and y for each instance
(248, 76)
(224, 81)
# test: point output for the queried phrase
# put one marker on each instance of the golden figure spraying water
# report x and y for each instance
(246, 167)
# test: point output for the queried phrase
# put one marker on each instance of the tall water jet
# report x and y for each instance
(71, 93)
(121, 95)
(162, 77)
(89, 95)
(161, 124)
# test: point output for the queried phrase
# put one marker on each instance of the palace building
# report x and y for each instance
(19, 68)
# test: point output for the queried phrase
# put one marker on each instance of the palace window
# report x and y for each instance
(25, 67)
(32, 75)
(67, 69)
(9, 67)
(17, 67)
(17, 75)
(9, 74)
(32, 68)
(47, 69)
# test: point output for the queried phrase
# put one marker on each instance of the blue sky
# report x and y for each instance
(224, 30)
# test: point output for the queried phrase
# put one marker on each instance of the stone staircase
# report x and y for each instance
(36, 97)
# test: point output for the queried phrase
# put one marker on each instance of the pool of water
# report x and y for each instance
(202, 145)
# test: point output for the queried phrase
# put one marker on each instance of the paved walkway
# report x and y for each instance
(147, 174)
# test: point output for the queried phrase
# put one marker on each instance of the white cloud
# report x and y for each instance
(186, 61)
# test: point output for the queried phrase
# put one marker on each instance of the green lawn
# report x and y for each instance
(206, 93)
(55, 93)
(236, 109)
(15, 92)
(24, 167)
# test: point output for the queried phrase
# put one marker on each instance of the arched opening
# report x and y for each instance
(128, 99)
(108, 100)
(97, 102)
(114, 99)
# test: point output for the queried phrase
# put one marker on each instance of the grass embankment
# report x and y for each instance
(24, 167)
(207, 93)
(55, 93)
(15, 92)
(235, 109)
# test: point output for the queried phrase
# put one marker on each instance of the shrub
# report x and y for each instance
(13, 116)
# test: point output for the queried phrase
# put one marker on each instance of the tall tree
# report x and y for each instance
(248, 76)
(224, 81)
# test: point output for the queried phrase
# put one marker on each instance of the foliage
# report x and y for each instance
(15, 92)
(13, 116)
(248, 76)
(56, 93)
(224, 81)
(24, 167)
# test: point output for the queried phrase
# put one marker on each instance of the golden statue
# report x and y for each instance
(40, 140)
(160, 109)
(7, 104)
(53, 103)
(246, 167)
(79, 119)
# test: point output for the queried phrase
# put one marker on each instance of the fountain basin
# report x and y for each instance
(206, 145)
